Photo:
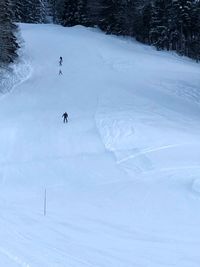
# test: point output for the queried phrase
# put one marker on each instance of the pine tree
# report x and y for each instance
(82, 13)
(8, 40)
(18, 10)
(142, 21)
(159, 34)
(70, 13)
(29, 11)
(37, 11)
(109, 16)
(194, 45)
(94, 10)
(58, 11)
(182, 16)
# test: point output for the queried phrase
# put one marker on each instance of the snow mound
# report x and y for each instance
(15, 74)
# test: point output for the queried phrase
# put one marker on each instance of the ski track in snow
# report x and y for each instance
(13, 258)
(150, 150)
(122, 177)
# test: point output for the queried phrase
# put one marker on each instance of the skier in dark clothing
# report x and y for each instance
(60, 61)
(65, 117)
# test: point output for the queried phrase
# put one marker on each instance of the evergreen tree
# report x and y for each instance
(94, 11)
(82, 16)
(37, 11)
(182, 17)
(159, 34)
(8, 40)
(110, 16)
(29, 11)
(70, 13)
(194, 45)
(18, 10)
(126, 17)
(142, 21)
(59, 11)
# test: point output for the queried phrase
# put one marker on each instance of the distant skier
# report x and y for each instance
(65, 117)
(60, 72)
(61, 61)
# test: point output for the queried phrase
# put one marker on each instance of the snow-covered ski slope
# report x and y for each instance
(122, 177)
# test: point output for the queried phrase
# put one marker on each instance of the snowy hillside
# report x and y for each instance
(122, 177)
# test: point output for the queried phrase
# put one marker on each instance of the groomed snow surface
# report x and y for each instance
(122, 177)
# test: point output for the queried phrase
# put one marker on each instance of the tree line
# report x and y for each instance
(172, 25)
(166, 24)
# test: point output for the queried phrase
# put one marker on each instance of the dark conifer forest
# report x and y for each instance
(166, 24)
(8, 30)
(172, 25)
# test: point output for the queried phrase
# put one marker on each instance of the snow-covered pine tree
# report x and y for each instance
(29, 11)
(142, 19)
(70, 13)
(159, 33)
(37, 11)
(122, 17)
(47, 11)
(182, 11)
(194, 44)
(128, 18)
(58, 10)
(109, 16)
(8, 40)
(82, 15)
(18, 10)
(94, 12)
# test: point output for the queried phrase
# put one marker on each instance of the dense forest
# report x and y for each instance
(166, 24)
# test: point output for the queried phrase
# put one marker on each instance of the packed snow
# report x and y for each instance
(122, 178)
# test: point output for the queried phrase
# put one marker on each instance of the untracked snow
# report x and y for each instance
(122, 177)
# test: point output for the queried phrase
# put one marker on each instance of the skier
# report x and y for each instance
(60, 72)
(60, 61)
(65, 116)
